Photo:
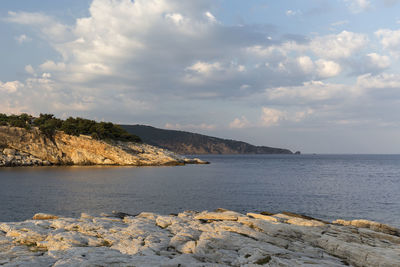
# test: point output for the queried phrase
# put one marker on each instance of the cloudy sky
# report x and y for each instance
(311, 75)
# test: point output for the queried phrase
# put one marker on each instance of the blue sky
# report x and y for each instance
(317, 76)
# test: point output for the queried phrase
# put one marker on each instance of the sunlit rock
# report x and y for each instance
(32, 148)
(44, 216)
(219, 238)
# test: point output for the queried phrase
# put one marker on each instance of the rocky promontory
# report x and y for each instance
(30, 147)
(192, 143)
(219, 238)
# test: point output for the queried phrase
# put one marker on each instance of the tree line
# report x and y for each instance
(48, 124)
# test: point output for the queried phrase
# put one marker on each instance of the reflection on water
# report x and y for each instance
(326, 187)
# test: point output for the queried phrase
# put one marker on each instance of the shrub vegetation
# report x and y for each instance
(48, 125)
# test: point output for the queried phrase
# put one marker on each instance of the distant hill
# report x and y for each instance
(192, 143)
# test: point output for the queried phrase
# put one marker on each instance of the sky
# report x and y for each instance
(311, 75)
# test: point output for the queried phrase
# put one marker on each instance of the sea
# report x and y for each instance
(326, 187)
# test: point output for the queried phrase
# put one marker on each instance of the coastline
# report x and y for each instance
(22, 147)
(219, 238)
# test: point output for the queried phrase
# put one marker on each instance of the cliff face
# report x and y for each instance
(192, 143)
(19, 146)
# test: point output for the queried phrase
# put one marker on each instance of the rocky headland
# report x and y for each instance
(219, 238)
(30, 147)
(192, 143)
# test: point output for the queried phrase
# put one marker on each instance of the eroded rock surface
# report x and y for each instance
(21, 147)
(219, 238)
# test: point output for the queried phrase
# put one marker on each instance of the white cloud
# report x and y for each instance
(311, 92)
(11, 87)
(319, 58)
(176, 18)
(271, 116)
(27, 18)
(336, 46)
(327, 68)
(52, 66)
(210, 16)
(381, 81)
(291, 13)
(358, 6)
(390, 40)
(332, 46)
(205, 68)
(306, 64)
(29, 69)
(48, 26)
(239, 123)
(142, 58)
(22, 39)
(379, 61)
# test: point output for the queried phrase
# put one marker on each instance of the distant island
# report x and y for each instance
(45, 140)
(192, 143)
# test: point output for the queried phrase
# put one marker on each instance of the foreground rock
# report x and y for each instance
(21, 147)
(220, 238)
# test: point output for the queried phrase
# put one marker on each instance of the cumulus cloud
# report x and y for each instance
(336, 46)
(327, 68)
(159, 47)
(306, 64)
(272, 116)
(378, 61)
(331, 46)
(29, 69)
(52, 66)
(390, 40)
(239, 123)
(321, 57)
(142, 58)
(11, 87)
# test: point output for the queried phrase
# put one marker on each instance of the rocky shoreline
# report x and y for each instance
(219, 238)
(21, 147)
(13, 158)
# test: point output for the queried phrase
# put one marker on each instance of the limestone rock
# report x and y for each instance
(31, 148)
(44, 216)
(263, 217)
(219, 238)
(380, 227)
(218, 215)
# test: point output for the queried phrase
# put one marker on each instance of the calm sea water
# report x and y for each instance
(323, 186)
